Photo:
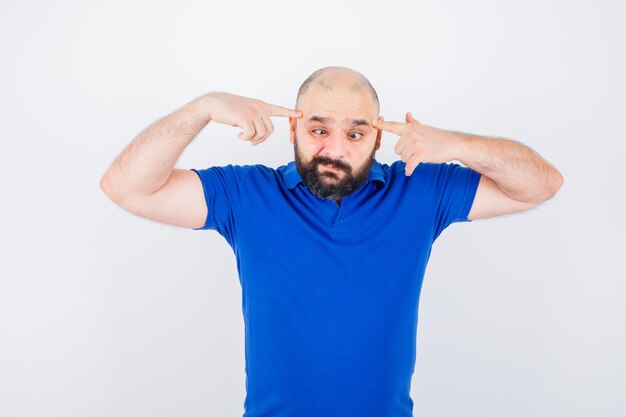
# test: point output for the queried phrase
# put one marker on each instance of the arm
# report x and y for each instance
(142, 179)
(146, 166)
(147, 162)
(513, 177)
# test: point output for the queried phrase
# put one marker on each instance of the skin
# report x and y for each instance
(348, 148)
(143, 180)
(513, 178)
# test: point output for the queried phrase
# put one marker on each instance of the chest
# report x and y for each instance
(372, 222)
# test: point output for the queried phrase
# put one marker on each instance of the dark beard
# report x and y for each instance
(332, 189)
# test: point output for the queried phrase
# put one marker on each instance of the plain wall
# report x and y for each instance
(104, 313)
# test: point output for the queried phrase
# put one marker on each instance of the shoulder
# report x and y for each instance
(240, 171)
(440, 172)
(255, 175)
(429, 176)
(425, 171)
(398, 167)
(232, 176)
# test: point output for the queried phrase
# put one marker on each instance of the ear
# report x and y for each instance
(292, 130)
(379, 134)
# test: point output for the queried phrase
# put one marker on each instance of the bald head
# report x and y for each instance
(336, 77)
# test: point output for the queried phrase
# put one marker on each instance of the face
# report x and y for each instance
(334, 141)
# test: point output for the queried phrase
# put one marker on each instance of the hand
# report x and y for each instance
(251, 115)
(419, 143)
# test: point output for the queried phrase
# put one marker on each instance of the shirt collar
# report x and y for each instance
(292, 176)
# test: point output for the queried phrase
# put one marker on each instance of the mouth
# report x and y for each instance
(330, 167)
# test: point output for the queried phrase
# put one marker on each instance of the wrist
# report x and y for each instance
(457, 145)
(204, 105)
(461, 146)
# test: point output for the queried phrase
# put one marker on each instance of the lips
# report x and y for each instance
(330, 167)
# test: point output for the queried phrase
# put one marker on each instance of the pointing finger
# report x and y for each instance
(394, 127)
(276, 110)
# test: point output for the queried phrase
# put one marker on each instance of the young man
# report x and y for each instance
(332, 247)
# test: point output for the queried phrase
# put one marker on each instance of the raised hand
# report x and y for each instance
(251, 115)
(419, 142)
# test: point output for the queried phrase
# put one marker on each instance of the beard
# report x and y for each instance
(328, 184)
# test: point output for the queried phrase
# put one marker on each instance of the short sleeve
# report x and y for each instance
(453, 192)
(222, 189)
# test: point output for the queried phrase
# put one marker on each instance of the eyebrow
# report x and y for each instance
(328, 120)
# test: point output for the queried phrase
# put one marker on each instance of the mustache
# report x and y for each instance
(328, 161)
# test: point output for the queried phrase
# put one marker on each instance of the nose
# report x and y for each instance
(335, 147)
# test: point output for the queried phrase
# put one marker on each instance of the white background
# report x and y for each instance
(104, 313)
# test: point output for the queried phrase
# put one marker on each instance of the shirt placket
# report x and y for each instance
(336, 213)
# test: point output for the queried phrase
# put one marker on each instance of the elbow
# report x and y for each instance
(107, 188)
(556, 182)
(104, 184)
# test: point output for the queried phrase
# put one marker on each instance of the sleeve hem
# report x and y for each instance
(205, 201)
(469, 201)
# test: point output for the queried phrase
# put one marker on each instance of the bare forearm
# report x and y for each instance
(147, 162)
(519, 171)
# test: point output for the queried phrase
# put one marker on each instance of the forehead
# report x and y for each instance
(337, 106)
(330, 120)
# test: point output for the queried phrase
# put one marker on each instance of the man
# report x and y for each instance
(331, 248)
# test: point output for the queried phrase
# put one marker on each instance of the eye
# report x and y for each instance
(358, 133)
(319, 129)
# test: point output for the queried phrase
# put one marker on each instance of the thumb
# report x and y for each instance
(410, 118)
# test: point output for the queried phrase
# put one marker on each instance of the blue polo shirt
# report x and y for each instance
(330, 292)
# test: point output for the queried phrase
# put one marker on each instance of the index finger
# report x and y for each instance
(276, 110)
(394, 127)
